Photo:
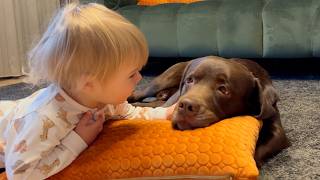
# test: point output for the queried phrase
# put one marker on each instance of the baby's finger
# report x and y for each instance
(100, 118)
(86, 117)
(99, 123)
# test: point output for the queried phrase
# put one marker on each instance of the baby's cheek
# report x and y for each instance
(129, 92)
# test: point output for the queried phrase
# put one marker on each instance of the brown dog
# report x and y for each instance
(212, 88)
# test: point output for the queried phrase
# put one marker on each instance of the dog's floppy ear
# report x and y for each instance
(191, 66)
(182, 88)
(268, 97)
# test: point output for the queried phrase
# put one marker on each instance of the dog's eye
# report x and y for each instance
(223, 89)
(189, 80)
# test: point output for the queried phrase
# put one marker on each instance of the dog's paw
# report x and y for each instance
(149, 99)
(165, 94)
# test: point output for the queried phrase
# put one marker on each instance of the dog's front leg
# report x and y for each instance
(168, 79)
(272, 139)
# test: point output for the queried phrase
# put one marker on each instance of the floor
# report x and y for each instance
(10, 81)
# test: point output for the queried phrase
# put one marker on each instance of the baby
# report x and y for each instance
(91, 57)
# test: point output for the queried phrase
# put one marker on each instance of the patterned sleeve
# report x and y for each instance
(6, 113)
(128, 111)
(7, 110)
(41, 149)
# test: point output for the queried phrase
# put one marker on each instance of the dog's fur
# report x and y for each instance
(210, 89)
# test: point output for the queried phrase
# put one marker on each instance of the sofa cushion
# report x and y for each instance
(201, 28)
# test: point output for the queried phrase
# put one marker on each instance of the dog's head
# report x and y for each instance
(214, 88)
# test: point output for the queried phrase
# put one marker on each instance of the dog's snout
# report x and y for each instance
(188, 107)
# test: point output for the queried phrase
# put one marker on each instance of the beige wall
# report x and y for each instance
(21, 25)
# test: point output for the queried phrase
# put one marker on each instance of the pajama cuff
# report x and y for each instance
(160, 113)
(74, 143)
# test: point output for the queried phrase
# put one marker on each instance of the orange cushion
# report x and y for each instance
(136, 148)
(156, 2)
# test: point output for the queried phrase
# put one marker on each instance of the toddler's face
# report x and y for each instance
(120, 86)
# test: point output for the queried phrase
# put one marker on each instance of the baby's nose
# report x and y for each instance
(139, 77)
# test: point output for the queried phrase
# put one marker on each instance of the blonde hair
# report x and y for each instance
(85, 40)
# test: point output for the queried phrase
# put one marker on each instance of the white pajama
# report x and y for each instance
(36, 133)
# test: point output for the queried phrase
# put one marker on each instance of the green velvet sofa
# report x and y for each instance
(228, 28)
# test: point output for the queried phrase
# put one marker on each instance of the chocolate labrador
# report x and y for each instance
(210, 89)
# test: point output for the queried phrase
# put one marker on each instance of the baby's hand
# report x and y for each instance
(88, 128)
(170, 111)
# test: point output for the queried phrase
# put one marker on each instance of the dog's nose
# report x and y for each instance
(188, 107)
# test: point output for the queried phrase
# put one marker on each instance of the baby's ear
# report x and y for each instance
(86, 83)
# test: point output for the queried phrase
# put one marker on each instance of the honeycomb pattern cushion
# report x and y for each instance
(156, 2)
(142, 148)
